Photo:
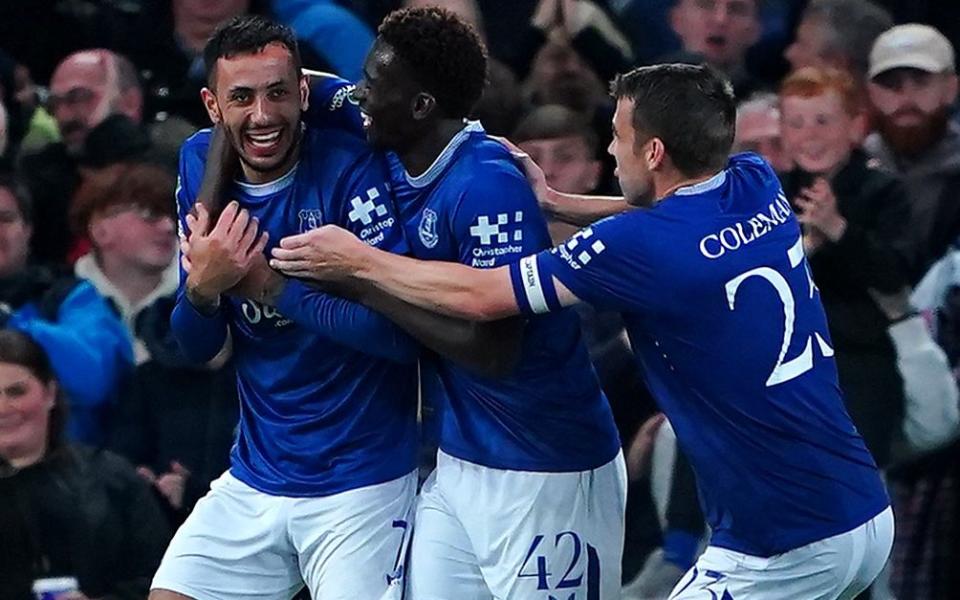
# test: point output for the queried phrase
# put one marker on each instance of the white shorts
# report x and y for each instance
(836, 568)
(521, 535)
(242, 543)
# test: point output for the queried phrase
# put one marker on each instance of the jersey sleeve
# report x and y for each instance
(603, 265)
(332, 105)
(497, 220)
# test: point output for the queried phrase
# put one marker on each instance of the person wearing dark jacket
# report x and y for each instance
(176, 420)
(854, 218)
(66, 510)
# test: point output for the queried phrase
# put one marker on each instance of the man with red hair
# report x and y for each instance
(853, 219)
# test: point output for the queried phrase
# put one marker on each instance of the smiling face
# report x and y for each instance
(387, 95)
(818, 132)
(720, 30)
(259, 99)
(25, 405)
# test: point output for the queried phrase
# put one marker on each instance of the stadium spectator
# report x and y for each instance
(838, 34)
(87, 89)
(28, 126)
(125, 211)
(565, 147)
(718, 33)
(758, 130)
(176, 419)
(559, 75)
(853, 217)
(583, 26)
(912, 87)
(927, 490)
(76, 326)
(68, 510)
(165, 40)
(332, 31)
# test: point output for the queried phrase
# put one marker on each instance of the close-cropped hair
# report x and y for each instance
(691, 108)
(247, 34)
(442, 52)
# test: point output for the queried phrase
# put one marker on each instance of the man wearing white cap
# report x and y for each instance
(912, 87)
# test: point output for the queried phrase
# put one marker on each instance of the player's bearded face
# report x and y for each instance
(259, 101)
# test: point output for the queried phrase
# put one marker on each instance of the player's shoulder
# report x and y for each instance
(195, 146)
(329, 92)
(488, 166)
(751, 178)
(336, 150)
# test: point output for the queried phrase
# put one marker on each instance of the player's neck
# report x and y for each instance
(668, 184)
(422, 153)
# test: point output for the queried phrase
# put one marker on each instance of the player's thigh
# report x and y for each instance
(233, 545)
(543, 535)
(353, 544)
(442, 563)
(819, 571)
(876, 538)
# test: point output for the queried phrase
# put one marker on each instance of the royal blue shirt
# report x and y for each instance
(727, 326)
(474, 206)
(327, 387)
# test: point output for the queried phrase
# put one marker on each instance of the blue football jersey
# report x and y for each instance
(327, 387)
(474, 206)
(727, 326)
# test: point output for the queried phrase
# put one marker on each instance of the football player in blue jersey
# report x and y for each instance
(322, 478)
(528, 497)
(727, 327)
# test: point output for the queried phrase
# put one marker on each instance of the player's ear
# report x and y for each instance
(654, 153)
(210, 102)
(423, 105)
(304, 92)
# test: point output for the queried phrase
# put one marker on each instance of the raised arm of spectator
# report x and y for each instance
(592, 34)
(932, 413)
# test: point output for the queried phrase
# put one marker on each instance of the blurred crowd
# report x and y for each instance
(108, 435)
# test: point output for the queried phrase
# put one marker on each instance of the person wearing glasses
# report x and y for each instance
(124, 210)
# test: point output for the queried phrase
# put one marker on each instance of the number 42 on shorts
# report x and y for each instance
(578, 571)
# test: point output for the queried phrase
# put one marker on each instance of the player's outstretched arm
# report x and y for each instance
(488, 348)
(575, 209)
(333, 254)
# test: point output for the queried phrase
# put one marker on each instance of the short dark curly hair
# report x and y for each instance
(444, 54)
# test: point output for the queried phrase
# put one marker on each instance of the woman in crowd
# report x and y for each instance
(66, 510)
